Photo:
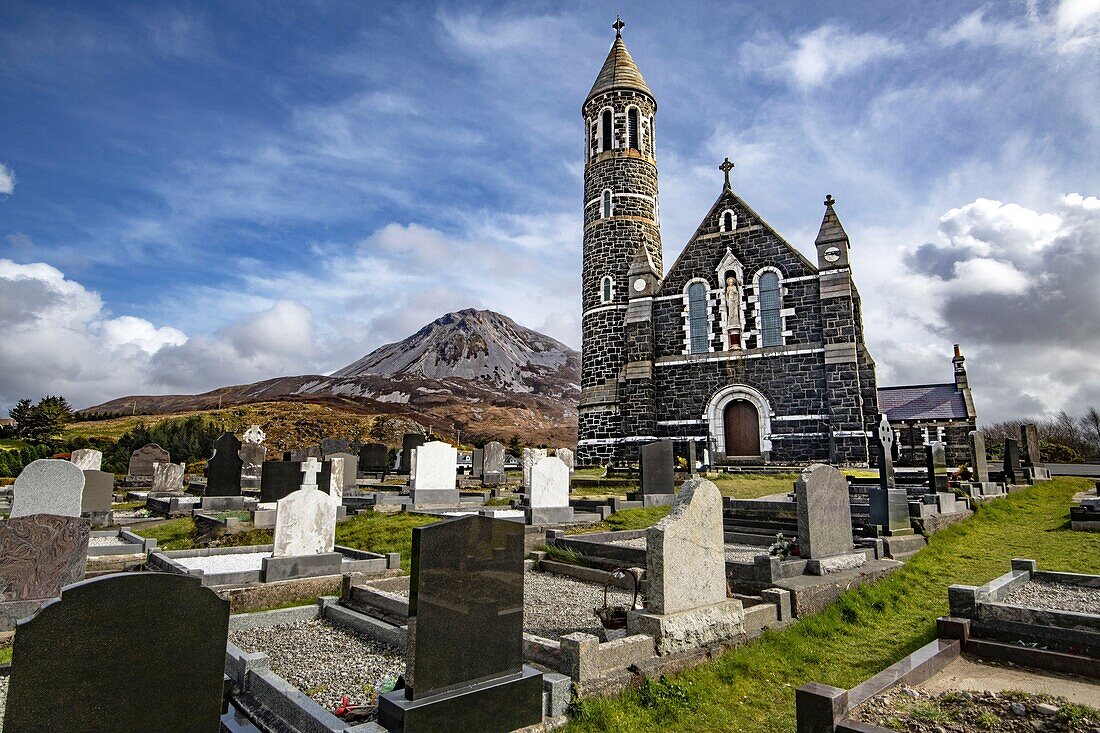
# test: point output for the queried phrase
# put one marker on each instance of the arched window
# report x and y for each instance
(771, 303)
(632, 128)
(698, 323)
(606, 131)
(605, 206)
(607, 289)
(729, 222)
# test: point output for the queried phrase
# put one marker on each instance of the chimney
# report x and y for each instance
(962, 383)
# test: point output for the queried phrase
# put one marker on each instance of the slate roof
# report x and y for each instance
(619, 72)
(922, 402)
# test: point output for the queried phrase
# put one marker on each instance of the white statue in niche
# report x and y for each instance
(733, 311)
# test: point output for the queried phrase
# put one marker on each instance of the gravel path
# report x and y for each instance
(1055, 596)
(323, 660)
(734, 553)
(233, 563)
(108, 542)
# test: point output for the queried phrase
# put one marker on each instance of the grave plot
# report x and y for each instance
(3, 697)
(225, 567)
(117, 550)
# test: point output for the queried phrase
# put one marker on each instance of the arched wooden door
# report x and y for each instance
(742, 425)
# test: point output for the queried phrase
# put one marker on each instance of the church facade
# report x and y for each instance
(743, 346)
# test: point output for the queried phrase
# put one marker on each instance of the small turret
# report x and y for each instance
(832, 241)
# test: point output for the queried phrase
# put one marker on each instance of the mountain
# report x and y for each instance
(475, 370)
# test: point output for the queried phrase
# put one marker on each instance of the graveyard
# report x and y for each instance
(354, 385)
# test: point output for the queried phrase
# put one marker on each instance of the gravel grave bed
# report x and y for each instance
(1055, 596)
(3, 698)
(734, 553)
(324, 660)
(913, 711)
(108, 542)
(233, 563)
(556, 605)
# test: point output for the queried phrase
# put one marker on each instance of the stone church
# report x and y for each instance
(743, 345)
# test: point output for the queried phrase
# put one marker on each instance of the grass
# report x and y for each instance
(382, 533)
(175, 534)
(754, 485)
(11, 444)
(5, 654)
(628, 519)
(751, 689)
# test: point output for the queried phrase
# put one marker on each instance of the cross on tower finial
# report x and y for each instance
(726, 167)
(618, 25)
(829, 200)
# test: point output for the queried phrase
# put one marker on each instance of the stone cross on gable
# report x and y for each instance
(618, 25)
(310, 468)
(726, 167)
(884, 442)
(829, 200)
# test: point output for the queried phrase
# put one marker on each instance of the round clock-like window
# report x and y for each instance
(832, 254)
(639, 284)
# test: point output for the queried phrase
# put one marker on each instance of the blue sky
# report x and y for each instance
(200, 194)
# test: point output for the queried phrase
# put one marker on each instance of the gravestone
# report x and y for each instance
(693, 459)
(39, 554)
(409, 443)
(566, 457)
(658, 472)
(142, 460)
(465, 666)
(334, 445)
(333, 483)
(87, 459)
(434, 474)
(935, 461)
(374, 458)
(350, 470)
(1012, 468)
(531, 456)
(252, 455)
(889, 505)
(168, 477)
(79, 687)
(825, 520)
(300, 455)
(477, 463)
(978, 460)
(1029, 439)
(493, 470)
(549, 493)
(223, 470)
(280, 479)
(99, 492)
(48, 486)
(254, 435)
(686, 575)
(305, 520)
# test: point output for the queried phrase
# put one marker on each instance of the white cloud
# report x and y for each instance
(7, 180)
(1065, 28)
(813, 59)
(128, 330)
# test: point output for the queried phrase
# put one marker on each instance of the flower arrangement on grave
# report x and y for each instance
(783, 548)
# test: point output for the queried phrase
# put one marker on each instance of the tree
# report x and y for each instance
(43, 422)
(1090, 423)
(20, 412)
(378, 429)
(513, 445)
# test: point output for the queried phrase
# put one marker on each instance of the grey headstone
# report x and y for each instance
(693, 458)
(252, 459)
(1029, 439)
(1013, 472)
(549, 483)
(477, 463)
(566, 457)
(48, 486)
(224, 469)
(936, 465)
(77, 686)
(824, 512)
(889, 505)
(334, 445)
(299, 455)
(409, 442)
(99, 492)
(658, 468)
(351, 464)
(531, 456)
(493, 473)
(142, 460)
(168, 477)
(374, 458)
(978, 460)
(87, 459)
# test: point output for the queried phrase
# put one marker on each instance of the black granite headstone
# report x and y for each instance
(935, 460)
(167, 626)
(465, 669)
(409, 442)
(223, 470)
(492, 473)
(889, 505)
(1013, 472)
(279, 479)
(477, 462)
(658, 468)
(374, 458)
(1029, 439)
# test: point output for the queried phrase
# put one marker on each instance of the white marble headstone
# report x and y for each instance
(566, 457)
(254, 435)
(48, 486)
(305, 523)
(434, 466)
(168, 476)
(87, 459)
(335, 486)
(550, 483)
(531, 456)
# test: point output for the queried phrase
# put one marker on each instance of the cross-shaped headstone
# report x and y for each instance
(829, 200)
(618, 25)
(726, 167)
(310, 468)
(884, 442)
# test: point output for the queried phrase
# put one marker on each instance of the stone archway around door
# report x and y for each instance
(726, 399)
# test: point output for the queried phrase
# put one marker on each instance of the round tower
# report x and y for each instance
(621, 212)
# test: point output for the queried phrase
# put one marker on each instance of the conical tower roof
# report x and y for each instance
(619, 72)
(831, 228)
